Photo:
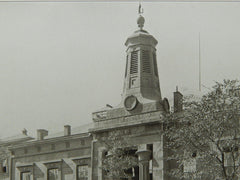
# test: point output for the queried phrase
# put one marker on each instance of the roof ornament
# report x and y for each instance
(140, 9)
(140, 20)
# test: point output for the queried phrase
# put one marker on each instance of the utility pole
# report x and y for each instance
(199, 59)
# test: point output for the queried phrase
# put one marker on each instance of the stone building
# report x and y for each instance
(6, 155)
(78, 153)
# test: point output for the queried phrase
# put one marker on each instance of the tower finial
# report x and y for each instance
(140, 9)
(140, 20)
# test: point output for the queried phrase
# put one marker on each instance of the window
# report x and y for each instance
(150, 147)
(4, 166)
(82, 172)
(53, 174)
(126, 66)
(134, 62)
(133, 82)
(26, 175)
(155, 64)
(146, 68)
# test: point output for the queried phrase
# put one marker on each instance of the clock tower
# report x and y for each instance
(140, 115)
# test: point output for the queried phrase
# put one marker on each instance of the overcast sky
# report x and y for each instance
(61, 61)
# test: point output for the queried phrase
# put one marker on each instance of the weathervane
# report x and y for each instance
(140, 20)
(140, 9)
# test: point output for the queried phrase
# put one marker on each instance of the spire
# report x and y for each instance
(140, 20)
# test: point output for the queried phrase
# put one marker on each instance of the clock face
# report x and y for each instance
(130, 102)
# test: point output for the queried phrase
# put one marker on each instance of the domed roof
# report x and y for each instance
(141, 36)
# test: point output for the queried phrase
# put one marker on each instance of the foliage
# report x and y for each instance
(120, 158)
(206, 134)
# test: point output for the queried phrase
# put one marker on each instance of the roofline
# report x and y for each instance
(8, 142)
(135, 36)
(50, 140)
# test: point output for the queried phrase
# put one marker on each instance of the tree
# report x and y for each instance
(203, 141)
(120, 158)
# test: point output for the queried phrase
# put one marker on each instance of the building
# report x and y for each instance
(5, 157)
(78, 153)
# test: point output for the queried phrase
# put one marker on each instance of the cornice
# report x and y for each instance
(50, 140)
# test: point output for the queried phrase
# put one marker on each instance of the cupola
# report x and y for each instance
(141, 75)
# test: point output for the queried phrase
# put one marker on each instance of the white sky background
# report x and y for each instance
(61, 61)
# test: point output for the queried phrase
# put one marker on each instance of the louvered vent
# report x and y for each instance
(126, 66)
(146, 68)
(155, 64)
(134, 62)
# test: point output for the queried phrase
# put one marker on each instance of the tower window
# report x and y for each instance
(155, 64)
(146, 68)
(126, 66)
(134, 62)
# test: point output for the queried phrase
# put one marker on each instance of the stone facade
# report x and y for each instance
(64, 154)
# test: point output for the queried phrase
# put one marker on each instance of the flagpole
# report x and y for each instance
(199, 61)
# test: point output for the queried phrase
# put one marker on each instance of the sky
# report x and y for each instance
(61, 61)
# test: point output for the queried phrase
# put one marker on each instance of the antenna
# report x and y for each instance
(199, 61)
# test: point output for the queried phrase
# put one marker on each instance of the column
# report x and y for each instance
(143, 159)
